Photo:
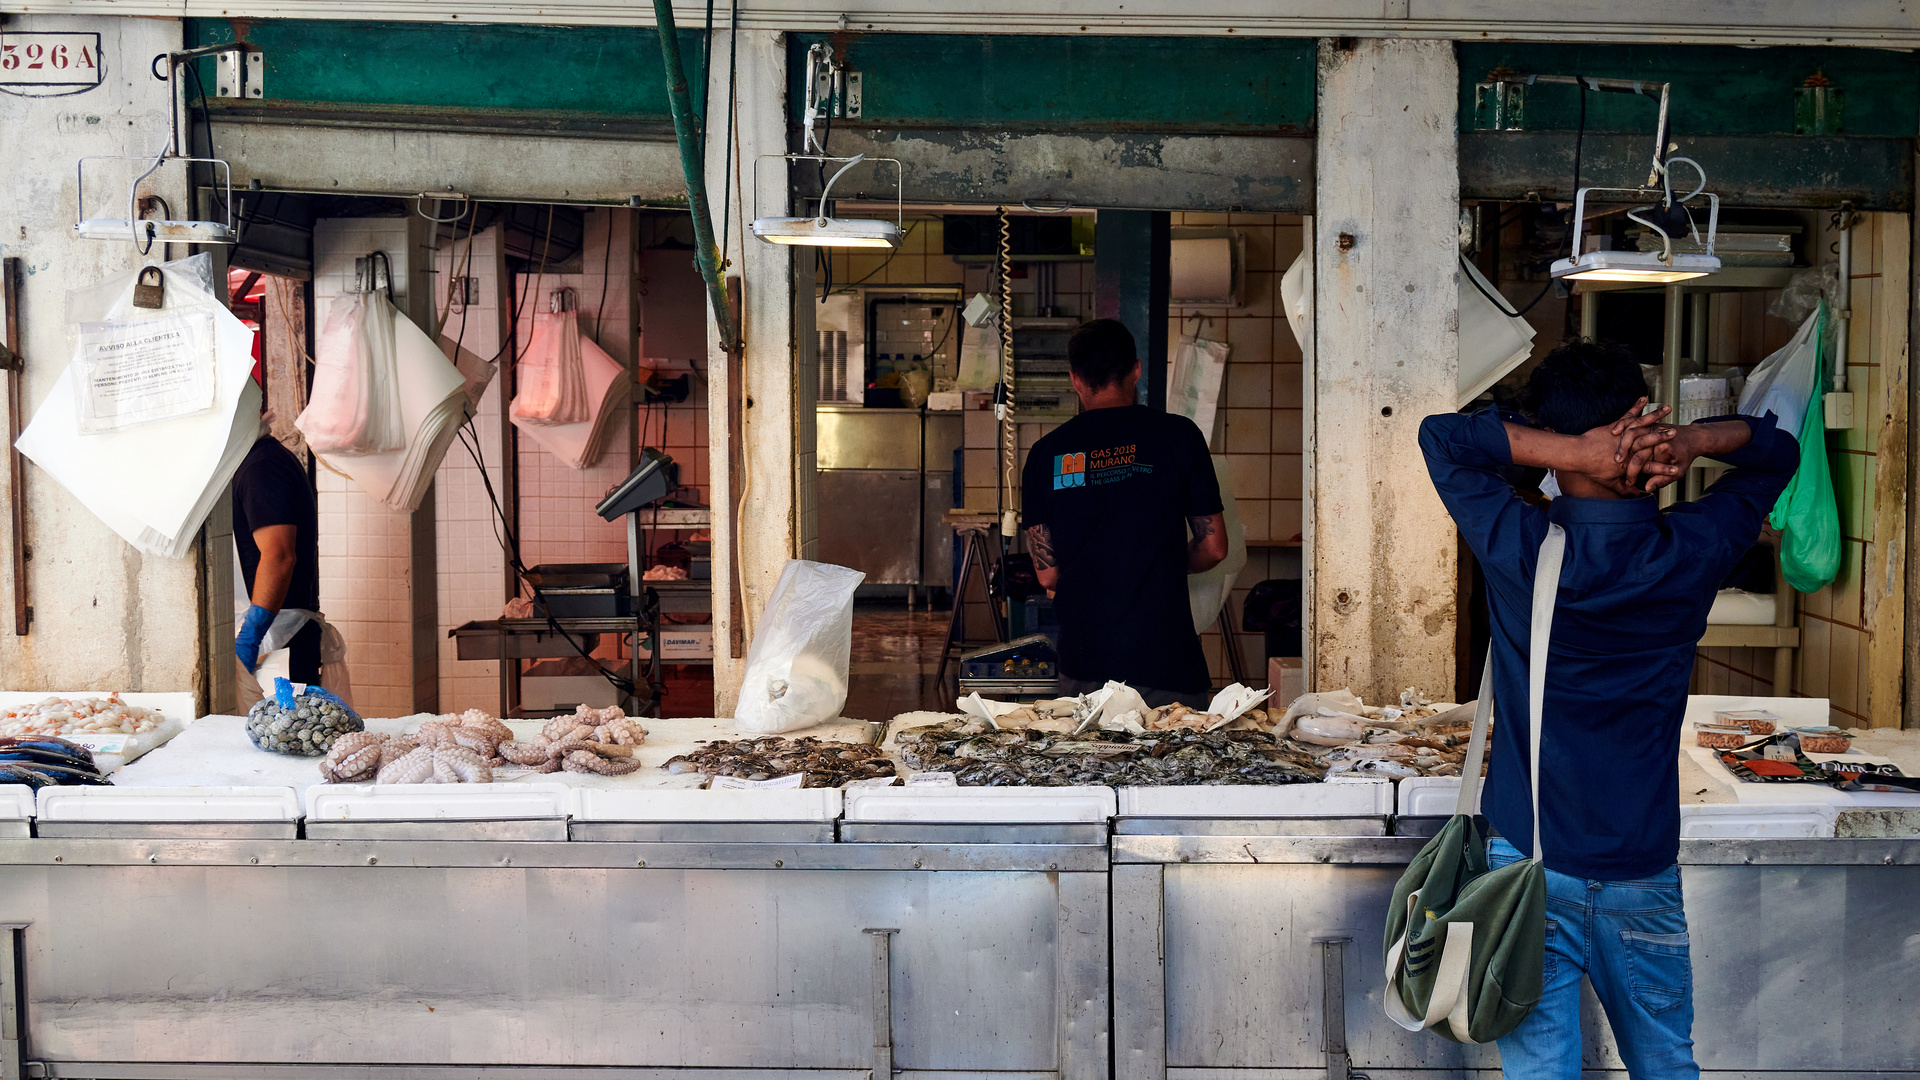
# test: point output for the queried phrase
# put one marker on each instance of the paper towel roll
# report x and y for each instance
(1201, 271)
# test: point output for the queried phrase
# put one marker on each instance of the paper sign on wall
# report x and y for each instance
(143, 371)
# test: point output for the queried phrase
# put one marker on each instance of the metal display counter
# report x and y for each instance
(661, 932)
(1259, 956)
(314, 958)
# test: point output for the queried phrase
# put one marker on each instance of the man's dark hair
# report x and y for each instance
(1101, 352)
(1582, 385)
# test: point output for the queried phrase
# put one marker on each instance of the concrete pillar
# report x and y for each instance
(1387, 197)
(751, 447)
(105, 616)
(1130, 274)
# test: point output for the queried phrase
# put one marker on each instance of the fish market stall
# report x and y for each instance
(1042, 895)
(1240, 944)
(220, 907)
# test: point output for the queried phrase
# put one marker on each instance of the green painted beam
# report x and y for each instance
(1717, 90)
(1039, 83)
(605, 71)
(1744, 170)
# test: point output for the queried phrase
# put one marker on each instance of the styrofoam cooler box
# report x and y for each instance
(1361, 799)
(766, 804)
(1432, 796)
(1728, 821)
(980, 805)
(16, 802)
(171, 804)
(440, 802)
(111, 752)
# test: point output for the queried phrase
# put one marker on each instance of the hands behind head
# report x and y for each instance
(1637, 454)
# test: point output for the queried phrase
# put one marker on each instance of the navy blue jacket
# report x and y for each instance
(1635, 590)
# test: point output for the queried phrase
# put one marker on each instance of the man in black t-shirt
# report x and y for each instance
(276, 528)
(1109, 500)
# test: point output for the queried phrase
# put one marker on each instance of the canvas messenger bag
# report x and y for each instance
(1466, 946)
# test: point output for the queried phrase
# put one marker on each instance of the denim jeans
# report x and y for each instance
(1629, 938)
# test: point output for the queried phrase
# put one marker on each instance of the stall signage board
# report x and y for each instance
(53, 59)
(143, 371)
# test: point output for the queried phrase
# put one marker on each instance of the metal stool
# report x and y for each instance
(975, 556)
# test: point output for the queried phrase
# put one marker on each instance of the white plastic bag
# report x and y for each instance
(1783, 383)
(552, 382)
(1193, 381)
(1207, 591)
(355, 405)
(797, 666)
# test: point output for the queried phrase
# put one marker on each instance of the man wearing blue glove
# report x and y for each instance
(276, 528)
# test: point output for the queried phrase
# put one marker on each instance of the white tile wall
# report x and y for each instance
(365, 566)
(472, 565)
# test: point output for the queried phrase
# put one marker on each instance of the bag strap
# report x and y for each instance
(1546, 591)
(1477, 745)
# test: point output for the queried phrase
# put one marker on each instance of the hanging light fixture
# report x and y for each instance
(1661, 267)
(827, 231)
(1666, 215)
(240, 65)
(826, 95)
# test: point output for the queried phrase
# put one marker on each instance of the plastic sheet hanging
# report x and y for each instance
(1208, 590)
(434, 402)
(154, 483)
(354, 407)
(1193, 381)
(551, 375)
(606, 387)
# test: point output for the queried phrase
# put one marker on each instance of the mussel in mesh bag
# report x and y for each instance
(304, 724)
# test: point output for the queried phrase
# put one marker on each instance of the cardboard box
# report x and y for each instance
(686, 643)
(548, 693)
(1287, 675)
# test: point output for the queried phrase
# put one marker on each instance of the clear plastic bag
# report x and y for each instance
(1804, 292)
(1784, 383)
(552, 375)
(354, 408)
(797, 666)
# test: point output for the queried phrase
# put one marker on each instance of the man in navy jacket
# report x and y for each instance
(1634, 594)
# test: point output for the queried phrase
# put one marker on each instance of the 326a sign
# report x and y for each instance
(49, 59)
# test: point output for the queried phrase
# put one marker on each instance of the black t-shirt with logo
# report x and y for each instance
(271, 488)
(1115, 487)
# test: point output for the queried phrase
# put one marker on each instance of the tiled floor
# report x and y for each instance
(895, 655)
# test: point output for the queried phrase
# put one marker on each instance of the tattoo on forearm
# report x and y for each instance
(1202, 527)
(1040, 542)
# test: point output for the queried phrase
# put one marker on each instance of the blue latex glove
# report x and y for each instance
(253, 628)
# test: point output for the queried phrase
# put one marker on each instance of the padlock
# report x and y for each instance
(149, 288)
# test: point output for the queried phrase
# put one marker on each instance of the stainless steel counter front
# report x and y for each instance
(311, 959)
(1804, 955)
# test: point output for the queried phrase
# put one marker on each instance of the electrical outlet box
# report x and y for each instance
(1839, 410)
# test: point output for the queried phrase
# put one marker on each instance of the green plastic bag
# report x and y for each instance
(1807, 514)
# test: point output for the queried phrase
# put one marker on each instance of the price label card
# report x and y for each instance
(872, 782)
(932, 779)
(142, 371)
(56, 60)
(100, 744)
(735, 783)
